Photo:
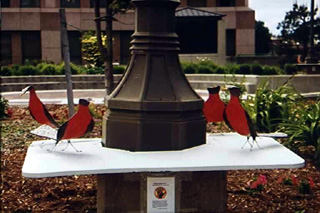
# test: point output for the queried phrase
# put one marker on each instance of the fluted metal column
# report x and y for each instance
(153, 107)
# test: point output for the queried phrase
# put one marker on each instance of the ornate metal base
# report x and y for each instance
(154, 131)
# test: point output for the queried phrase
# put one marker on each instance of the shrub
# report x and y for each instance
(269, 70)
(6, 71)
(232, 68)
(90, 50)
(119, 69)
(189, 67)
(208, 63)
(3, 106)
(221, 70)
(74, 69)
(204, 70)
(257, 69)
(48, 69)
(95, 70)
(273, 106)
(28, 70)
(244, 69)
(290, 69)
(303, 124)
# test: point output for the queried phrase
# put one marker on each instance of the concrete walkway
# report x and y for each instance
(60, 96)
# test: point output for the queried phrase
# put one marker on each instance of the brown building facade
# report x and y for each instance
(30, 29)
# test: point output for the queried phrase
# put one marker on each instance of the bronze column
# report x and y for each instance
(154, 108)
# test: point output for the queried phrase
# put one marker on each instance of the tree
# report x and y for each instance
(90, 49)
(295, 27)
(262, 38)
(112, 7)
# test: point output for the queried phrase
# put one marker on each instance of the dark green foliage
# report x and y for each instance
(119, 69)
(244, 69)
(74, 69)
(269, 70)
(262, 38)
(303, 124)
(204, 70)
(257, 69)
(47, 69)
(28, 70)
(90, 50)
(221, 70)
(6, 71)
(295, 28)
(273, 106)
(290, 69)
(189, 67)
(3, 106)
(95, 70)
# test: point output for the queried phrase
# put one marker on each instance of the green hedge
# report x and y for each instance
(208, 67)
(203, 67)
(53, 69)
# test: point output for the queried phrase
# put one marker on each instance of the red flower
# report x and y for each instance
(9, 112)
(311, 182)
(262, 179)
(294, 180)
(255, 184)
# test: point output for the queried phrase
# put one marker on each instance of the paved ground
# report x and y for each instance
(60, 96)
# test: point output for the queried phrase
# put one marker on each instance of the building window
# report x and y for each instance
(5, 44)
(29, 3)
(103, 3)
(226, 3)
(5, 3)
(197, 3)
(70, 3)
(75, 46)
(231, 42)
(31, 45)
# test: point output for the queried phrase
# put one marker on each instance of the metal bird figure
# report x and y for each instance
(78, 125)
(213, 108)
(238, 119)
(37, 109)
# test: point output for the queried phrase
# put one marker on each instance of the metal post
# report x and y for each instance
(154, 107)
(311, 58)
(66, 57)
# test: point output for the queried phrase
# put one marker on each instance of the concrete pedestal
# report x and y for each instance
(200, 173)
(194, 191)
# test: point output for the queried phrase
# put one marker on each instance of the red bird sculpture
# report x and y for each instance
(237, 118)
(37, 109)
(213, 108)
(78, 125)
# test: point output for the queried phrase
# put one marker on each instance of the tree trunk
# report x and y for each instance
(109, 57)
(97, 20)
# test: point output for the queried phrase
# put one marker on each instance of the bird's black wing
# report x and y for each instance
(90, 126)
(49, 116)
(253, 132)
(225, 117)
(61, 131)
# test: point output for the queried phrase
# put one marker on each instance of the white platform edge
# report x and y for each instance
(209, 157)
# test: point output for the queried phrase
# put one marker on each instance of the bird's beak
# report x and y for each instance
(24, 91)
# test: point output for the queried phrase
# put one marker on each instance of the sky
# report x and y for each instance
(271, 12)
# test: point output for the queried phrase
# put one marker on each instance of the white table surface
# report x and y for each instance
(222, 152)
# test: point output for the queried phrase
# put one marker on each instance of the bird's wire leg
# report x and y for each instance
(257, 144)
(66, 146)
(246, 143)
(73, 146)
(50, 150)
